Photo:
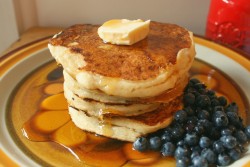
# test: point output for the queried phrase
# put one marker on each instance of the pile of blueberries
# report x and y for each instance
(206, 132)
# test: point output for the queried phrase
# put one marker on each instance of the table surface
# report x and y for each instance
(30, 35)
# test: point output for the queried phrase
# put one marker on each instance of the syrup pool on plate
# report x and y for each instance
(41, 125)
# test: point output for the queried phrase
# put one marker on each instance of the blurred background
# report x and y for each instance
(19, 16)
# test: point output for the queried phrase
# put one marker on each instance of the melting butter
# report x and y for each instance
(124, 32)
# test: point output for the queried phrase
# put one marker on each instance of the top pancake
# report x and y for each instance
(144, 60)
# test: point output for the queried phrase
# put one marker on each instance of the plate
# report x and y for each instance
(223, 64)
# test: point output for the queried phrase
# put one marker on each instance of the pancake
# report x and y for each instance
(96, 95)
(126, 128)
(100, 104)
(124, 92)
(99, 108)
(145, 69)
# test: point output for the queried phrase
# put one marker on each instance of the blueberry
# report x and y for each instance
(229, 141)
(194, 154)
(204, 142)
(222, 100)
(180, 143)
(192, 119)
(235, 154)
(202, 91)
(155, 143)
(207, 131)
(190, 90)
(209, 155)
(247, 131)
(167, 129)
(203, 101)
(203, 114)
(180, 116)
(214, 133)
(223, 159)
(189, 111)
(241, 148)
(199, 161)
(199, 86)
(218, 147)
(233, 117)
(194, 81)
(210, 92)
(232, 128)
(141, 144)
(239, 124)
(166, 137)
(206, 123)
(189, 127)
(181, 152)
(215, 102)
(209, 109)
(196, 148)
(177, 133)
(219, 108)
(196, 93)
(168, 149)
(183, 162)
(189, 85)
(220, 119)
(226, 131)
(240, 136)
(191, 139)
(188, 99)
(199, 129)
(233, 107)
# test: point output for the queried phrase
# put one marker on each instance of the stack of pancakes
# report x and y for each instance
(124, 92)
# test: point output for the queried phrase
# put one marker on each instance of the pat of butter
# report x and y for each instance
(123, 32)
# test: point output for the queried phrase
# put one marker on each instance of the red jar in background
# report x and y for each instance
(228, 22)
